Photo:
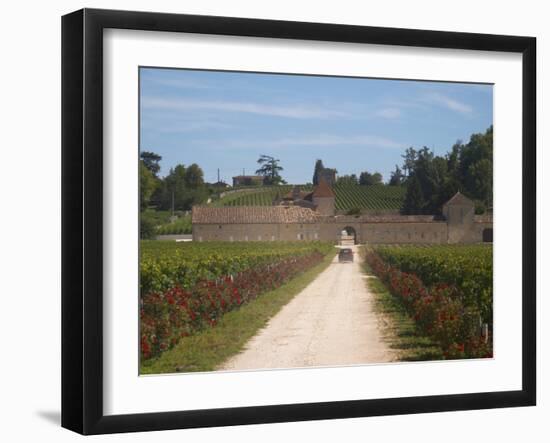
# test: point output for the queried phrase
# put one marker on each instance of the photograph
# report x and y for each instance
(296, 221)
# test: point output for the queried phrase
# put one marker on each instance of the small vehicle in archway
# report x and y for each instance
(345, 255)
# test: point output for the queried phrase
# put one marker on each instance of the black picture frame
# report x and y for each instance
(82, 218)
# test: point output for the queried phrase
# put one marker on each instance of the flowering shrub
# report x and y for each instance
(181, 310)
(469, 268)
(440, 311)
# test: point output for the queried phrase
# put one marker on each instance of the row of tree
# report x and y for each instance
(432, 180)
(182, 188)
(365, 178)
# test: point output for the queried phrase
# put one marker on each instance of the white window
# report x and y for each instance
(315, 236)
(246, 238)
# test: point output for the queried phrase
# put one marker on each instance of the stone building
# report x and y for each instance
(328, 175)
(303, 216)
(321, 199)
(248, 180)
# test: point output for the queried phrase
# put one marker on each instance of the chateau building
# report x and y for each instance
(310, 216)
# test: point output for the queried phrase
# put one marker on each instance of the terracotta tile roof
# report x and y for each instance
(460, 199)
(323, 190)
(252, 214)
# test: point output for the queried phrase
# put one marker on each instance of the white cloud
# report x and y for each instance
(193, 127)
(182, 83)
(288, 111)
(449, 103)
(388, 113)
(186, 126)
(317, 141)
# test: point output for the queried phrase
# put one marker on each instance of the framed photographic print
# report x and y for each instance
(269, 221)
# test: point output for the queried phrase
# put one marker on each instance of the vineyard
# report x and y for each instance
(180, 226)
(376, 197)
(373, 198)
(263, 196)
(447, 289)
(185, 287)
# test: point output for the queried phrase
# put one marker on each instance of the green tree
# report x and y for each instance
(151, 161)
(194, 176)
(414, 200)
(174, 190)
(270, 169)
(467, 168)
(147, 185)
(367, 179)
(183, 187)
(147, 226)
(397, 177)
(347, 179)
(409, 161)
(476, 167)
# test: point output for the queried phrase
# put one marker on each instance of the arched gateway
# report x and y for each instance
(347, 236)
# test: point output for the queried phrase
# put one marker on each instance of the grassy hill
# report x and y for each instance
(370, 198)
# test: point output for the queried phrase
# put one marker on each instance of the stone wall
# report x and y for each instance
(434, 232)
(256, 232)
(325, 205)
(429, 233)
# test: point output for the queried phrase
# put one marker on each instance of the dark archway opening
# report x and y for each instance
(487, 235)
(349, 235)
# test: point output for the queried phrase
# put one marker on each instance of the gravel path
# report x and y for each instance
(331, 322)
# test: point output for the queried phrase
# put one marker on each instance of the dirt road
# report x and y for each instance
(331, 322)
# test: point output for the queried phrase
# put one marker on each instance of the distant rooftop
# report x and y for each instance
(459, 199)
(257, 177)
(323, 190)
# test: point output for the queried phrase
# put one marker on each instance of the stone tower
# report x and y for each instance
(324, 198)
(459, 212)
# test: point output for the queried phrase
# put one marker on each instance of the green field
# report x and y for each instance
(369, 198)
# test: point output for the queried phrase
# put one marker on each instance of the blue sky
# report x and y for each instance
(226, 120)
